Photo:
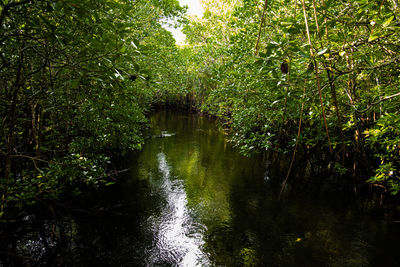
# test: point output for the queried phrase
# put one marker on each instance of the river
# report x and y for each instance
(190, 199)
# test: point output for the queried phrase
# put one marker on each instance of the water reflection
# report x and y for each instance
(213, 207)
(192, 200)
(177, 238)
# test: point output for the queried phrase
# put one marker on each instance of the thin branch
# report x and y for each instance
(32, 158)
(384, 64)
(316, 75)
(297, 142)
(377, 102)
(259, 30)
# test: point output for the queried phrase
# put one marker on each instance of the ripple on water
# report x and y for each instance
(178, 239)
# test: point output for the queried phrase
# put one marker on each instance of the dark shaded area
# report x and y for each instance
(190, 197)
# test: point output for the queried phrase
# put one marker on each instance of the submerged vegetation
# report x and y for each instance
(77, 78)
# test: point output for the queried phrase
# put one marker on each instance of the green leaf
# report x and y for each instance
(135, 43)
(263, 54)
(302, 54)
(136, 67)
(259, 62)
(97, 79)
(372, 37)
(323, 51)
(387, 22)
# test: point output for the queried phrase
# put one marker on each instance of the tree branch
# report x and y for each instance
(259, 31)
(7, 7)
(377, 102)
(29, 157)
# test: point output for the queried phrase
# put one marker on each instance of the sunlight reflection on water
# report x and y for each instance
(178, 239)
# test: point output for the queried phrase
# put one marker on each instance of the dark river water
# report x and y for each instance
(190, 199)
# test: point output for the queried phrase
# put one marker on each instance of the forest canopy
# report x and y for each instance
(78, 78)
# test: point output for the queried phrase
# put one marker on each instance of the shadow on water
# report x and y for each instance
(192, 200)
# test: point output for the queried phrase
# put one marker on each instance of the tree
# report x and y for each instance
(352, 48)
(68, 99)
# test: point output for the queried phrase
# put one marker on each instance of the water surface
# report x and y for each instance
(190, 199)
(212, 206)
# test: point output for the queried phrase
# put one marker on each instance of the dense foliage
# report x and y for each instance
(76, 79)
(322, 75)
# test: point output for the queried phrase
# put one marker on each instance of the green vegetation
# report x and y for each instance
(320, 76)
(77, 78)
